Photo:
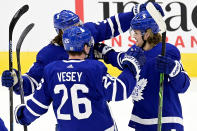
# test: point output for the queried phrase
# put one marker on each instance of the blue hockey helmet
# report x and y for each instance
(75, 38)
(143, 21)
(65, 19)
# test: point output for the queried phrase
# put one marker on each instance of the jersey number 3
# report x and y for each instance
(75, 101)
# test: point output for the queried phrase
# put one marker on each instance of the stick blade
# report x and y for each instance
(156, 16)
(23, 35)
(16, 17)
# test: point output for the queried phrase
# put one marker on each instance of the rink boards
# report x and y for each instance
(189, 61)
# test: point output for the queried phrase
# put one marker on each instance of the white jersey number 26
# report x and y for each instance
(75, 101)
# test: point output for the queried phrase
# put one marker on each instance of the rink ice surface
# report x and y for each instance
(121, 111)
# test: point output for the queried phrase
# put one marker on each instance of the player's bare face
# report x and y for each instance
(138, 37)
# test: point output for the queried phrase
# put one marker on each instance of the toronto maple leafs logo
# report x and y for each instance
(137, 93)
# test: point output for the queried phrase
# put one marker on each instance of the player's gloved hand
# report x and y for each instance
(100, 50)
(142, 7)
(19, 115)
(98, 55)
(134, 59)
(167, 65)
(9, 78)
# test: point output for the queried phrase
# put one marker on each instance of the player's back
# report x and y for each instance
(78, 97)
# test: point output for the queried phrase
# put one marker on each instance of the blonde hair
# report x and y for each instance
(58, 39)
(153, 39)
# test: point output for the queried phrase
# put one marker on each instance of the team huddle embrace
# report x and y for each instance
(68, 74)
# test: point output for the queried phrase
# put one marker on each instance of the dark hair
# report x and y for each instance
(74, 53)
(58, 39)
(153, 39)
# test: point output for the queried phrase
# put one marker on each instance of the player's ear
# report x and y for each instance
(146, 35)
(86, 49)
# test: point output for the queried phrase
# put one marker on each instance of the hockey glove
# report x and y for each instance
(100, 50)
(134, 59)
(9, 78)
(142, 7)
(19, 115)
(167, 65)
(97, 55)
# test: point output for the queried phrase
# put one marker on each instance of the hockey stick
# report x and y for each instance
(18, 47)
(161, 23)
(151, 0)
(13, 22)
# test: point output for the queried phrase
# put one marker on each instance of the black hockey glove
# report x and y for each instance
(100, 50)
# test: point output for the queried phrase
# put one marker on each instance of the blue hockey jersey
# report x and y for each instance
(79, 90)
(2, 126)
(100, 31)
(146, 92)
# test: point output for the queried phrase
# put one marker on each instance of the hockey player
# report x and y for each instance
(79, 88)
(106, 29)
(2, 126)
(144, 115)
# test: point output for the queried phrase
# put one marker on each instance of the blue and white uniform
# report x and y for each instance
(79, 90)
(100, 31)
(2, 126)
(146, 92)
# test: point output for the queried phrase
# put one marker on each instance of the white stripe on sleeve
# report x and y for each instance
(32, 82)
(32, 112)
(118, 23)
(16, 111)
(39, 104)
(114, 90)
(124, 89)
(111, 26)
